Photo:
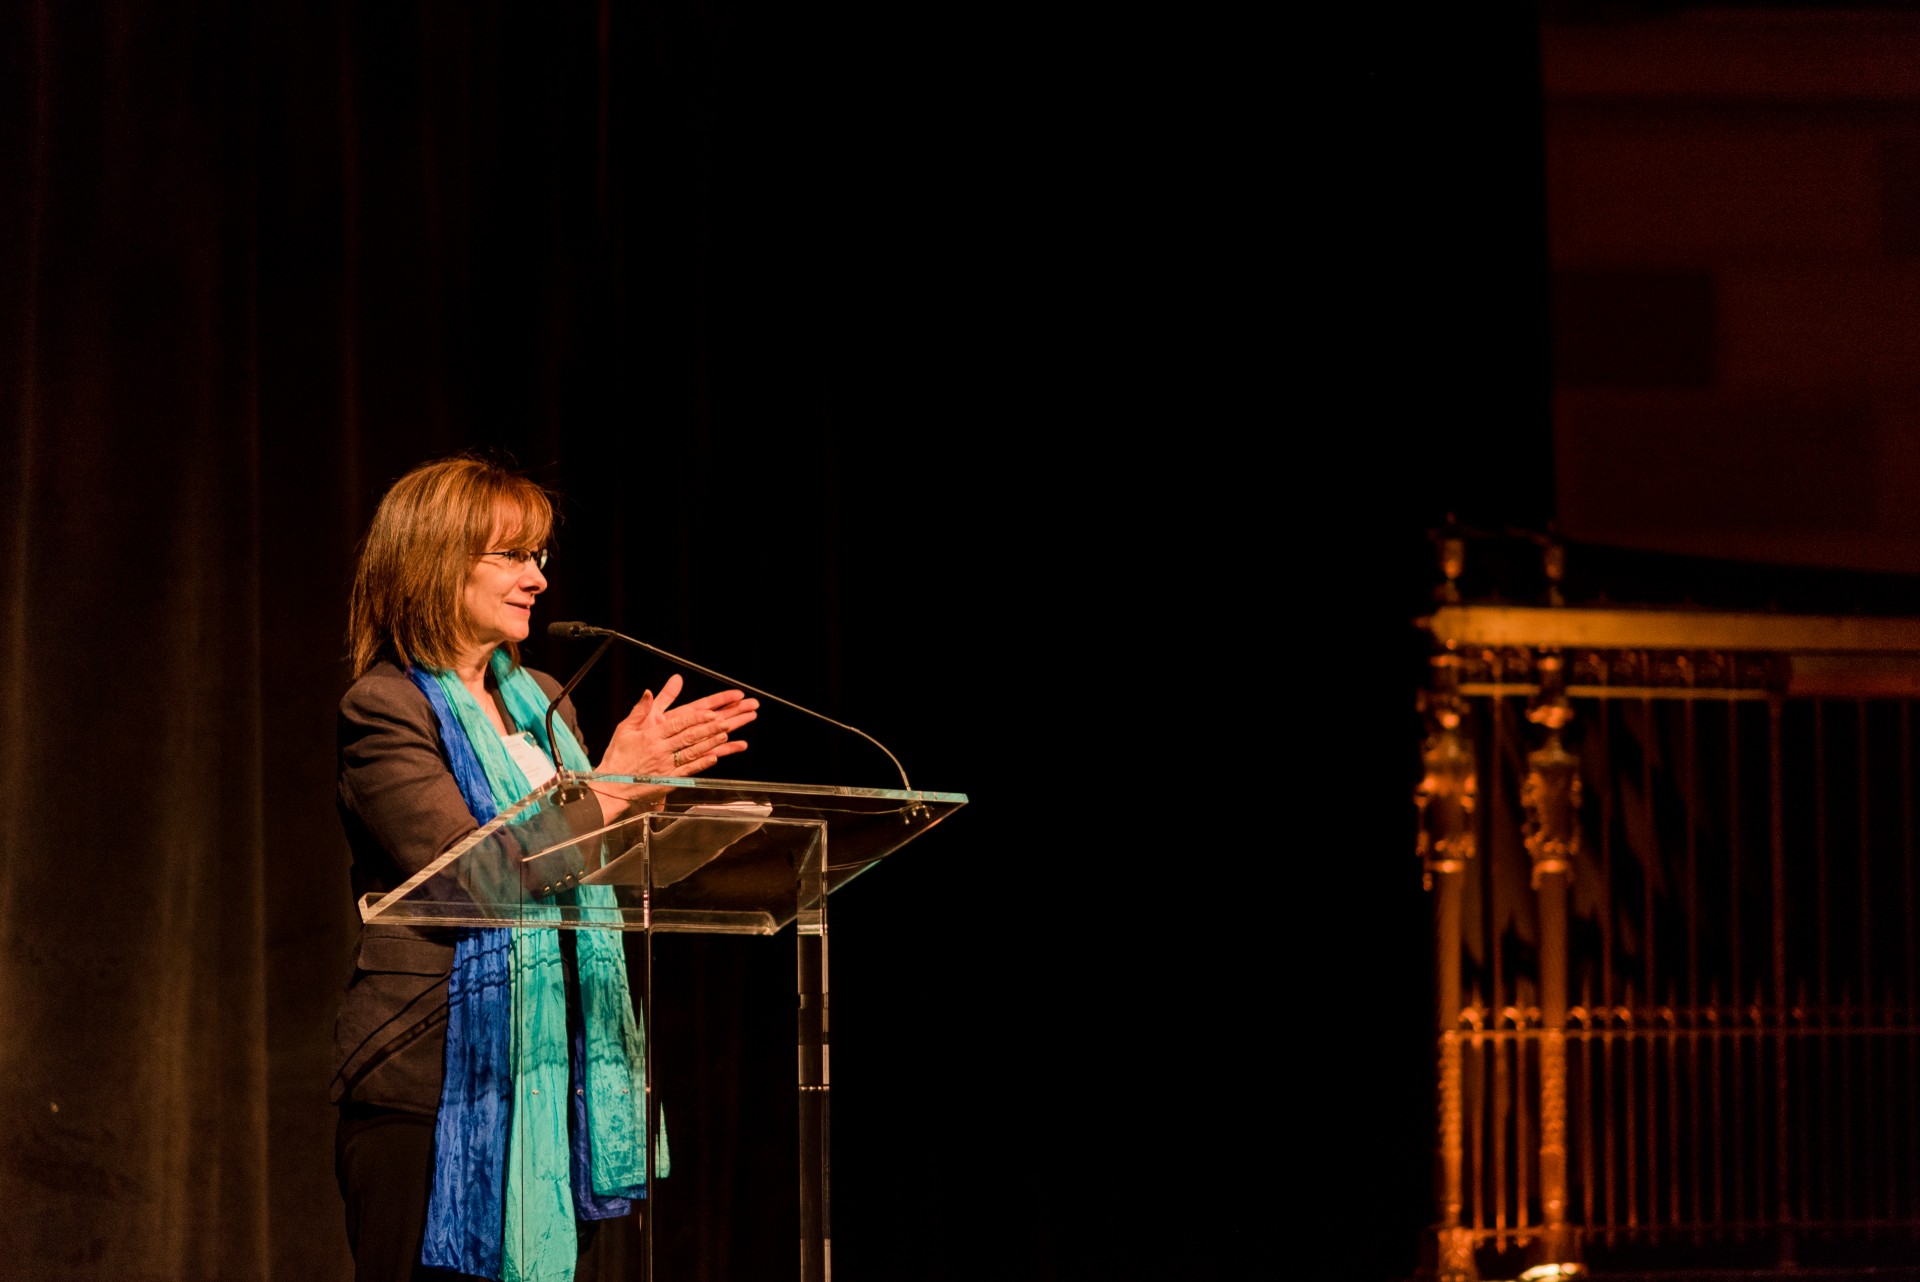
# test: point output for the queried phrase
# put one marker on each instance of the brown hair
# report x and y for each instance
(406, 602)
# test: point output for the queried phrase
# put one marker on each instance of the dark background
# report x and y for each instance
(887, 358)
(1437, 369)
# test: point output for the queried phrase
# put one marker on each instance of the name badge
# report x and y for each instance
(526, 754)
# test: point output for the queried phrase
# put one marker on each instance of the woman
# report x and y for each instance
(441, 728)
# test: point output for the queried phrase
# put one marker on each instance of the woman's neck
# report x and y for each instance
(472, 666)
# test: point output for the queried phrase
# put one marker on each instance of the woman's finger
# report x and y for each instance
(690, 747)
(712, 758)
(693, 748)
(669, 691)
(693, 716)
(722, 699)
(641, 711)
(685, 723)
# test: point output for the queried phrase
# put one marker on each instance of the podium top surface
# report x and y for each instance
(793, 790)
(724, 856)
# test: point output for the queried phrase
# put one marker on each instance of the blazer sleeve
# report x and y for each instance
(395, 783)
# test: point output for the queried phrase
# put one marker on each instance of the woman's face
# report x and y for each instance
(499, 593)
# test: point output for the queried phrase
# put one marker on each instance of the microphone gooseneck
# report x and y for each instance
(553, 704)
(572, 630)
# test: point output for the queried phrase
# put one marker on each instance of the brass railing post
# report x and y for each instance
(1446, 842)
(1551, 798)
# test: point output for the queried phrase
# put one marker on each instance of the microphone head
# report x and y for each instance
(569, 628)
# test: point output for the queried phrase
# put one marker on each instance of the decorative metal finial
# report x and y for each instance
(1550, 793)
(1448, 791)
(1452, 549)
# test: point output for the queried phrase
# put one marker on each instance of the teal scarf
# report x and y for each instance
(537, 1238)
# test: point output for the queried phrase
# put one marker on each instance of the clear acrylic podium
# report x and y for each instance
(718, 856)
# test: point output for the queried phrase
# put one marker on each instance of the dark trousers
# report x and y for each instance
(383, 1159)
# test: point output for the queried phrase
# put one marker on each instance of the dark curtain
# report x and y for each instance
(787, 305)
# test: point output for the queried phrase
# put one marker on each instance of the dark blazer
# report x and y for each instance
(401, 807)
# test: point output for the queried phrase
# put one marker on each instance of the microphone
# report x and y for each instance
(572, 630)
(569, 792)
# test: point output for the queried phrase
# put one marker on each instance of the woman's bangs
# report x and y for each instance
(526, 517)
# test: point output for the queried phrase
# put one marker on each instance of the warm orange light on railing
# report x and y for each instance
(1553, 1272)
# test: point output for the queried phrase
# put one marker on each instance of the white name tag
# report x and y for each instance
(526, 754)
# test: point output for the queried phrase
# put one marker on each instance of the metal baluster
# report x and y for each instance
(1551, 798)
(1477, 1111)
(1603, 739)
(1692, 757)
(1866, 983)
(1628, 1113)
(1909, 1180)
(1889, 1043)
(1757, 1020)
(1713, 1077)
(1670, 1035)
(1502, 1114)
(1823, 992)
(1784, 1209)
(1523, 1151)
(1738, 1047)
(1841, 1021)
(1589, 1098)
(1496, 977)
(1649, 863)
(1734, 855)
(1802, 1014)
(1609, 1115)
(1446, 801)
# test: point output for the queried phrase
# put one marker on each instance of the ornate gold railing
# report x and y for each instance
(1672, 857)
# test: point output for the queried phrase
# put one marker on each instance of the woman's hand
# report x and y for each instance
(659, 739)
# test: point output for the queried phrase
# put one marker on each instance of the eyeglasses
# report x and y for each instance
(520, 556)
